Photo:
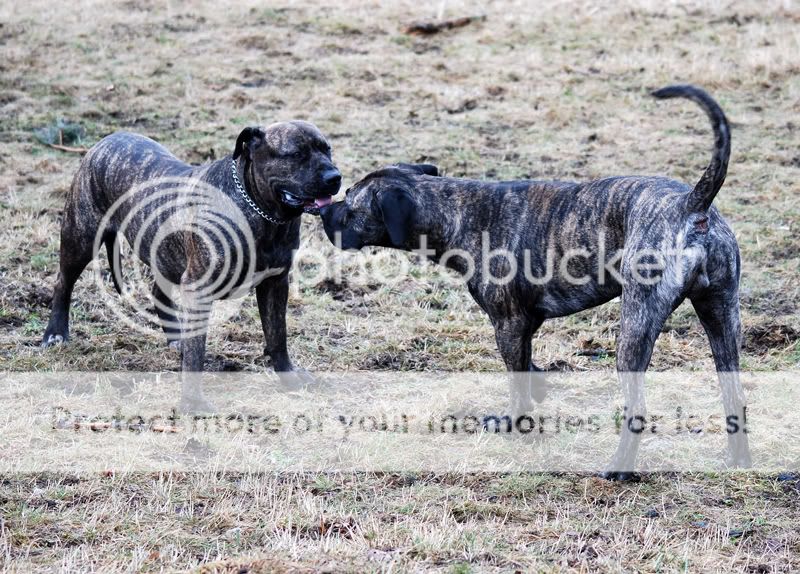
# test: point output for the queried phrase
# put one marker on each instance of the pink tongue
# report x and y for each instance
(322, 201)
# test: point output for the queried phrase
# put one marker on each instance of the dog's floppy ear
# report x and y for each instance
(398, 211)
(420, 168)
(248, 140)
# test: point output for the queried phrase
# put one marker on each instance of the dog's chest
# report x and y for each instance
(274, 255)
(275, 250)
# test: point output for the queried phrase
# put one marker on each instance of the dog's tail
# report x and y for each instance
(706, 189)
(109, 240)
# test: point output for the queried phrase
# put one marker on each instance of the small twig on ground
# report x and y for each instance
(430, 28)
(70, 149)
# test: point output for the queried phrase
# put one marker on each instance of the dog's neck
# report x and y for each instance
(250, 196)
(444, 224)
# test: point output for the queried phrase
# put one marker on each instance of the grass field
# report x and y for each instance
(548, 90)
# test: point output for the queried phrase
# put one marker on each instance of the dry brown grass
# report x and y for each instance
(485, 522)
(545, 89)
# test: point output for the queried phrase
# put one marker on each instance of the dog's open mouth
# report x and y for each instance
(309, 205)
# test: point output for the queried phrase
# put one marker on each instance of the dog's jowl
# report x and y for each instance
(533, 250)
(207, 232)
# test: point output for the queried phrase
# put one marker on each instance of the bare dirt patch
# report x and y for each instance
(763, 338)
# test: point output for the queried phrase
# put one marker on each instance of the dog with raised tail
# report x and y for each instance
(568, 247)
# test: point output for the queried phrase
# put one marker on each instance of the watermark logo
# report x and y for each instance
(170, 223)
(188, 245)
(673, 260)
(394, 421)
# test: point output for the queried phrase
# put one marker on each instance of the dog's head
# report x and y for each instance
(290, 165)
(378, 210)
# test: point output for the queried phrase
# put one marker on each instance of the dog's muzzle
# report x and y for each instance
(338, 233)
(308, 205)
(331, 180)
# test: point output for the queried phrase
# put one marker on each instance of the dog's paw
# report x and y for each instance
(174, 345)
(538, 383)
(196, 405)
(621, 476)
(739, 460)
(295, 379)
(538, 392)
(52, 340)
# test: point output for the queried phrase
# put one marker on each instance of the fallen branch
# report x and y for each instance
(60, 135)
(70, 149)
(430, 28)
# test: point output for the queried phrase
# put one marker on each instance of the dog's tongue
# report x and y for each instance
(322, 201)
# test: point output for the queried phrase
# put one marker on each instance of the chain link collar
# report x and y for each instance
(243, 192)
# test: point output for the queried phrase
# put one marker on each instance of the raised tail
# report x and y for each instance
(705, 191)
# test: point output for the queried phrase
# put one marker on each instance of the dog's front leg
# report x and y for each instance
(272, 295)
(513, 337)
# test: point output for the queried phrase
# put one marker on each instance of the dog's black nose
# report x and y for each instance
(331, 180)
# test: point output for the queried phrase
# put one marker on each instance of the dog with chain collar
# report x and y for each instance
(241, 232)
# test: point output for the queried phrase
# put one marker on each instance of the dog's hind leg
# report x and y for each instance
(538, 383)
(718, 311)
(77, 241)
(194, 316)
(644, 311)
(167, 315)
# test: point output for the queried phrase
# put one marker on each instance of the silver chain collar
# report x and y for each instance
(243, 192)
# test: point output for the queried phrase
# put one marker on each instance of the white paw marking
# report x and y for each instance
(52, 340)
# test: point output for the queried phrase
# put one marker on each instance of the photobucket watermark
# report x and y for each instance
(166, 220)
(681, 420)
(148, 234)
(489, 264)
(88, 422)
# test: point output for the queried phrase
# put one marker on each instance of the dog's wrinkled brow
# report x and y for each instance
(390, 173)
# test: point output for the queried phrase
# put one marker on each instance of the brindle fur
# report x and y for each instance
(395, 206)
(291, 156)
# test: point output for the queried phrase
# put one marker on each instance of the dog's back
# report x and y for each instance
(120, 162)
(574, 243)
(580, 237)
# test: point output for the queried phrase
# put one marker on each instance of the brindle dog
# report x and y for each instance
(632, 218)
(273, 176)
